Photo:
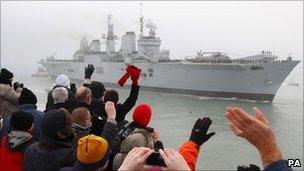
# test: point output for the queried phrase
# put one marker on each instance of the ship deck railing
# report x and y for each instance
(235, 61)
(196, 61)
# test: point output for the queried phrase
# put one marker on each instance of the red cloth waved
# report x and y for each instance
(132, 71)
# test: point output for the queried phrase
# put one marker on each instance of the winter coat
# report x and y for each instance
(122, 109)
(30, 108)
(70, 103)
(110, 133)
(50, 159)
(189, 150)
(12, 150)
(95, 104)
(57, 106)
(80, 131)
(8, 100)
(125, 129)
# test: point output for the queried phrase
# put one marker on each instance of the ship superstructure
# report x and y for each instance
(255, 77)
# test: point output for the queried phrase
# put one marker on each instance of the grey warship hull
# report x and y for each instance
(214, 74)
(254, 81)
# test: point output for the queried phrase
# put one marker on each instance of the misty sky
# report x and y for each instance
(33, 30)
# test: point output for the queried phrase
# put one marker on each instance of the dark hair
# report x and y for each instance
(112, 96)
(97, 89)
(21, 120)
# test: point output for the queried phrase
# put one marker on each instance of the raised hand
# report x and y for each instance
(256, 130)
(88, 71)
(110, 110)
(173, 160)
(199, 131)
(136, 158)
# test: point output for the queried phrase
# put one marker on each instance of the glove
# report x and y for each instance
(134, 72)
(251, 167)
(199, 131)
(88, 71)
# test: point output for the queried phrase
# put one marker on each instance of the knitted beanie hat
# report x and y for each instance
(27, 97)
(93, 152)
(142, 114)
(5, 75)
(22, 121)
(56, 126)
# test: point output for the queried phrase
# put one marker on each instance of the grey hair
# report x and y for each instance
(60, 95)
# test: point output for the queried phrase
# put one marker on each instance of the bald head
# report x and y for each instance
(81, 116)
(83, 94)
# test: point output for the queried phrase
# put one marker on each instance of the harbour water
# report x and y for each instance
(174, 116)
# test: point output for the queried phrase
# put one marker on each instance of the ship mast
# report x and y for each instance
(110, 45)
(141, 21)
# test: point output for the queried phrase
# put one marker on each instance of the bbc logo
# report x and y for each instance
(293, 163)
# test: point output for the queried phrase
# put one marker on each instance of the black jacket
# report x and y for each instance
(57, 106)
(110, 133)
(100, 117)
(37, 159)
(122, 109)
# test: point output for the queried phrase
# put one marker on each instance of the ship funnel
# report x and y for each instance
(84, 45)
(128, 43)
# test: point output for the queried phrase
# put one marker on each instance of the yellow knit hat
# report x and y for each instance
(92, 149)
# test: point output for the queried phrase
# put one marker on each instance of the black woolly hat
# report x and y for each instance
(27, 97)
(56, 126)
(5, 75)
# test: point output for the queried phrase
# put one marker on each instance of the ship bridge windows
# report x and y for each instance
(150, 69)
(70, 70)
(256, 68)
(99, 70)
(144, 75)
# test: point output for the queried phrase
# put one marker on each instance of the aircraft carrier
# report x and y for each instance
(212, 74)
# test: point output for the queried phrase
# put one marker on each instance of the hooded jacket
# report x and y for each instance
(8, 100)
(80, 131)
(12, 150)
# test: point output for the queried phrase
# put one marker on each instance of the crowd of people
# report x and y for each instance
(84, 128)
